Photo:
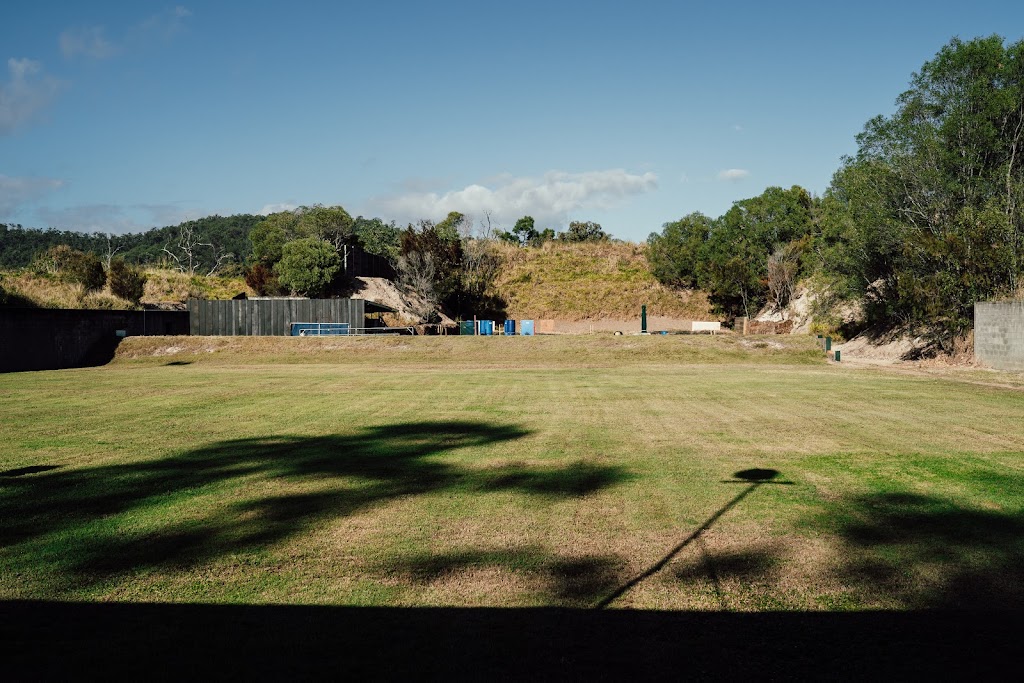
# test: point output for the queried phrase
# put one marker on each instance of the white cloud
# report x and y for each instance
(550, 199)
(276, 208)
(733, 174)
(163, 25)
(88, 41)
(17, 192)
(27, 92)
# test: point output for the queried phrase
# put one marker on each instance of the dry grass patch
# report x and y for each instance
(589, 280)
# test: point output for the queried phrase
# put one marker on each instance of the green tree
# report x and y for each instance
(329, 223)
(269, 236)
(584, 231)
(731, 268)
(525, 232)
(674, 254)
(378, 237)
(925, 219)
(454, 226)
(308, 266)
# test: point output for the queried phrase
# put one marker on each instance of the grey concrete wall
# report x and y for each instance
(999, 334)
(52, 339)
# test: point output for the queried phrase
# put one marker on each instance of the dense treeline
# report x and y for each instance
(215, 237)
(751, 255)
(925, 219)
(921, 223)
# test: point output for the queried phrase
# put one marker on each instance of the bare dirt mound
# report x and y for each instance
(408, 305)
(901, 348)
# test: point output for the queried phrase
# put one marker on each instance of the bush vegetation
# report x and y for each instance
(127, 282)
(921, 223)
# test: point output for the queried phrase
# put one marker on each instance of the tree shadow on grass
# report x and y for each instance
(565, 581)
(901, 550)
(923, 551)
(194, 513)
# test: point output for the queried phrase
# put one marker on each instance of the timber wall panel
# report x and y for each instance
(270, 317)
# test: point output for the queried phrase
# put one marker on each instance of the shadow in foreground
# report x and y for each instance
(754, 477)
(53, 640)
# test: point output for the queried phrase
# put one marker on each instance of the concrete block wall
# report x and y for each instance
(999, 334)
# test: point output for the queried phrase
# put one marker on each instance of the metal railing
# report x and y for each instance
(339, 329)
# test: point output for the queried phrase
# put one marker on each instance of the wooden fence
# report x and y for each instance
(270, 317)
(51, 339)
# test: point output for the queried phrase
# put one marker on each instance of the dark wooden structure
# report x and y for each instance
(357, 262)
(52, 339)
(274, 316)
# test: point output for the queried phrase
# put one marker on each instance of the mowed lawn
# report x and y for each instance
(570, 471)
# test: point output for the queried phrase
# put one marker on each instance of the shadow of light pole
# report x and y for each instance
(754, 478)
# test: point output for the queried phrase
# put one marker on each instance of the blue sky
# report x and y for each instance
(118, 116)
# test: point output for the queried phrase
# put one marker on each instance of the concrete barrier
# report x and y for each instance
(702, 326)
(999, 334)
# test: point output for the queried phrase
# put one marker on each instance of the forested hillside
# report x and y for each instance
(215, 237)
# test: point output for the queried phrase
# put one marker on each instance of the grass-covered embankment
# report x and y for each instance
(27, 288)
(589, 280)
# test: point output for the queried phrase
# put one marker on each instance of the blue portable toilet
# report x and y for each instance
(510, 327)
(526, 328)
(487, 327)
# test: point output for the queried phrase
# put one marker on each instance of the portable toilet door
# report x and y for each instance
(487, 327)
(510, 327)
(526, 328)
(466, 327)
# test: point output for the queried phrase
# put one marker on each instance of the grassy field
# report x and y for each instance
(568, 471)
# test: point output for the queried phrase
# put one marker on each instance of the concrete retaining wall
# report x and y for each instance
(52, 339)
(999, 334)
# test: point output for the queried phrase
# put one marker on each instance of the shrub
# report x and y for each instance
(126, 281)
(308, 265)
(71, 265)
(262, 280)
